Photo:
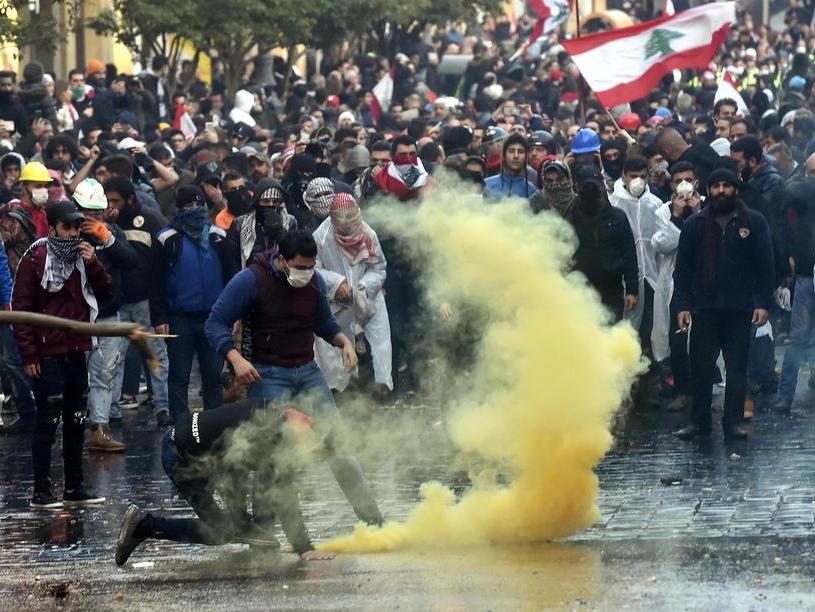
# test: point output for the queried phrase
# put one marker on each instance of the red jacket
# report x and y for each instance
(68, 303)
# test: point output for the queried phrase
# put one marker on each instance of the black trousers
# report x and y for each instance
(680, 361)
(711, 332)
(65, 375)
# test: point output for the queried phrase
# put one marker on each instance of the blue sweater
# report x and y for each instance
(506, 185)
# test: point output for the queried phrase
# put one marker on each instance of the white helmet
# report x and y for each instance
(90, 195)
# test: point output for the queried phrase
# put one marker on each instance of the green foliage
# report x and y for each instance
(232, 30)
(26, 29)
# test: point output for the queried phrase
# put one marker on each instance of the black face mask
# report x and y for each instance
(590, 200)
(272, 222)
(5, 97)
(614, 168)
(239, 201)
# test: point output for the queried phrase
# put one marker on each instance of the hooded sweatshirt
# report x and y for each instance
(242, 111)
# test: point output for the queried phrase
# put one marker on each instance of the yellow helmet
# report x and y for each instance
(35, 172)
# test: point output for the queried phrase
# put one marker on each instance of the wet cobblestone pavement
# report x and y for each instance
(683, 526)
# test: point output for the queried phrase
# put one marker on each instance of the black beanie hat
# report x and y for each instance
(725, 175)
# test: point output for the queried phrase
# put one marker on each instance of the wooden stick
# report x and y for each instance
(131, 331)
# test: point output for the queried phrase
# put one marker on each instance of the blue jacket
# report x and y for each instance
(5, 277)
(505, 185)
(237, 301)
(744, 265)
(193, 277)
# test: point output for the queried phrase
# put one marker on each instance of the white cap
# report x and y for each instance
(130, 143)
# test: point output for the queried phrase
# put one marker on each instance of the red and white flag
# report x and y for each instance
(383, 93)
(627, 64)
(727, 90)
(669, 8)
(551, 14)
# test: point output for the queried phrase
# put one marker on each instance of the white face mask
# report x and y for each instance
(636, 187)
(299, 278)
(39, 196)
(684, 189)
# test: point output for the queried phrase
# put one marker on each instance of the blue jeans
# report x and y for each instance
(12, 369)
(192, 342)
(802, 334)
(279, 384)
(306, 385)
(103, 364)
(140, 313)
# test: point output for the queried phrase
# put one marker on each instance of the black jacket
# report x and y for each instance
(141, 227)
(14, 111)
(798, 229)
(704, 160)
(118, 257)
(744, 264)
(763, 193)
(606, 253)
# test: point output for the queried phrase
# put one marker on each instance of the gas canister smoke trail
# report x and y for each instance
(549, 374)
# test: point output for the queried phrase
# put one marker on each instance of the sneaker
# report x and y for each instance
(163, 418)
(127, 541)
(128, 402)
(45, 500)
(102, 441)
(81, 498)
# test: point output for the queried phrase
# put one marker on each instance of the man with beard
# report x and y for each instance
(613, 155)
(557, 192)
(10, 108)
(259, 229)
(605, 254)
(799, 236)
(404, 176)
(61, 276)
(193, 279)
(723, 284)
(512, 180)
(761, 191)
(142, 297)
(260, 166)
(673, 148)
(670, 218)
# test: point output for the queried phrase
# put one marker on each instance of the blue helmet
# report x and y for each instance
(586, 141)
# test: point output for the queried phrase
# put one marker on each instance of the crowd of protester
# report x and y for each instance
(201, 214)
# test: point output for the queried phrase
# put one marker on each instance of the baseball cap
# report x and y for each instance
(209, 172)
(63, 211)
(190, 194)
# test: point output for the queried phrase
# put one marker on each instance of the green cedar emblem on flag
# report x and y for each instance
(660, 43)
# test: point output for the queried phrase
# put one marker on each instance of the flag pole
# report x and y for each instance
(582, 90)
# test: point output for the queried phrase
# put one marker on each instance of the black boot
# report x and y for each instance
(690, 432)
(134, 530)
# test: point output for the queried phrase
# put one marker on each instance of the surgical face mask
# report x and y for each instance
(299, 278)
(39, 196)
(636, 187)
(684, 189)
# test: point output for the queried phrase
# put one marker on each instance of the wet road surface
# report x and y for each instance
(683, 526)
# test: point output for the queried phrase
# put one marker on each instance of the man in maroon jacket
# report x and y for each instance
(61, 276)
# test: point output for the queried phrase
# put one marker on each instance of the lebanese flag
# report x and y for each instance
(551, 13)
(627, 64)
(383, 92)
(727, 89)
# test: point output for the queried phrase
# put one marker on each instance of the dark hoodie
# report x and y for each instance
(34, 96)
(300, 172)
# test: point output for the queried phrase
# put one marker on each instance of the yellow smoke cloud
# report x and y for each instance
(549, 374)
